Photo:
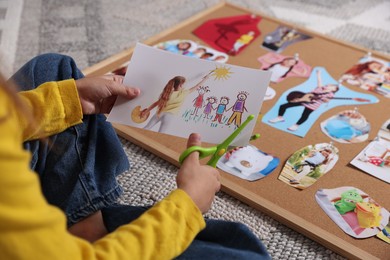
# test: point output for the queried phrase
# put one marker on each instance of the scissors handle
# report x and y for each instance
(203, 152)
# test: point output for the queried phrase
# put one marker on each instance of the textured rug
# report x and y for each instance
(93, 30)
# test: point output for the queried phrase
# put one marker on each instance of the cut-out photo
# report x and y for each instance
(248, 163)
(371, 74)
(180, 96)
(283, 37)
(308, 164)
(283, 67)
(191, 49)
(348, 126)
(384, 131)
(375, 158)
(298, 108)
(354, 211)
(385, 234)
(231, 34)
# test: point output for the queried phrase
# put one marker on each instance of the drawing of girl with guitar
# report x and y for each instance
(311, 101)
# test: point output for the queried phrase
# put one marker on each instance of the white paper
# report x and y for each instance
(150, 69)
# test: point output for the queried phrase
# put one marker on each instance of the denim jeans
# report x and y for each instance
(78, 168)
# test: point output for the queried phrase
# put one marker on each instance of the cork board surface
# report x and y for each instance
(296, 209)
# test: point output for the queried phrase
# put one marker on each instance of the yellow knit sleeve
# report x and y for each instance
(55, 106)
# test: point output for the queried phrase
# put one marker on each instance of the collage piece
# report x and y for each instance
(180, 96)
(248, 163)
(298, 108)
(230, 34)
(374, 159)
(281, 38)
(191, 49)
(307, 165)
(348, 126)
(283, 67)
(370, 74)
(354, 211)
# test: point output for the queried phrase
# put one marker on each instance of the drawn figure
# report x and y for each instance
(371, 75)
(244, 40)
(198, 101)
(313, 160)
(348, 200)
(169, 102)
(208, 108)
(238, 108)
(221, 109)
(311, 101)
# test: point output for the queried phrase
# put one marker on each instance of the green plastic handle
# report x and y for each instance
(203, 152)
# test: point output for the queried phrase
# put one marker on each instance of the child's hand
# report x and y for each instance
(98, 94)
(201, 182)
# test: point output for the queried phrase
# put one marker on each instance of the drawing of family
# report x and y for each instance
(174, 95)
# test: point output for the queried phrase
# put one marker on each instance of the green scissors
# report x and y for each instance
(216, 152)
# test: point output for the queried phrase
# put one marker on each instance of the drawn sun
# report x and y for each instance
(222, 73)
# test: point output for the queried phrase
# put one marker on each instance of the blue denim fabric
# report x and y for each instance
(219, 240)
(78, 167)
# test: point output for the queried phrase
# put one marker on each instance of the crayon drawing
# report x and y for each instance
(181, 95)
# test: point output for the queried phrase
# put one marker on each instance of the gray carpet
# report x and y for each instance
(92, 30)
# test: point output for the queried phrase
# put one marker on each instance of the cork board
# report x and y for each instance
(294, 208)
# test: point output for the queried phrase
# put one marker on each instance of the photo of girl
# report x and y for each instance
(282, 37)
(309, 164)
(298, 108)
(283, 67)
(370, 74)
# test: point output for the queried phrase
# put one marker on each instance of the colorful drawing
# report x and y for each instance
(348, 126)
(191, 49)
(229, 34)
(175, 91)
(371, 74)
(309, 164)
(375, 158)
(283, 67)
(298, 108)
(238, 109)
(362, 218)
(282, 37)
(248, 163)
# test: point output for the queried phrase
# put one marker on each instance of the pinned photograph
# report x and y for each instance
(348, 126)
(299, 107)
(230, 35)
(309, 164)
(283, 67)
(191, 49)
(354, 211)
(248, 163)
(283, 37)
(371, 74)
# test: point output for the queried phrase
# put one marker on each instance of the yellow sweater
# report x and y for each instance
(30, 228)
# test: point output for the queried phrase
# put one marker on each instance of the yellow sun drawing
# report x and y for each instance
(221, 73)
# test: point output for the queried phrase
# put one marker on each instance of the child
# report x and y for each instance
(75, 181)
